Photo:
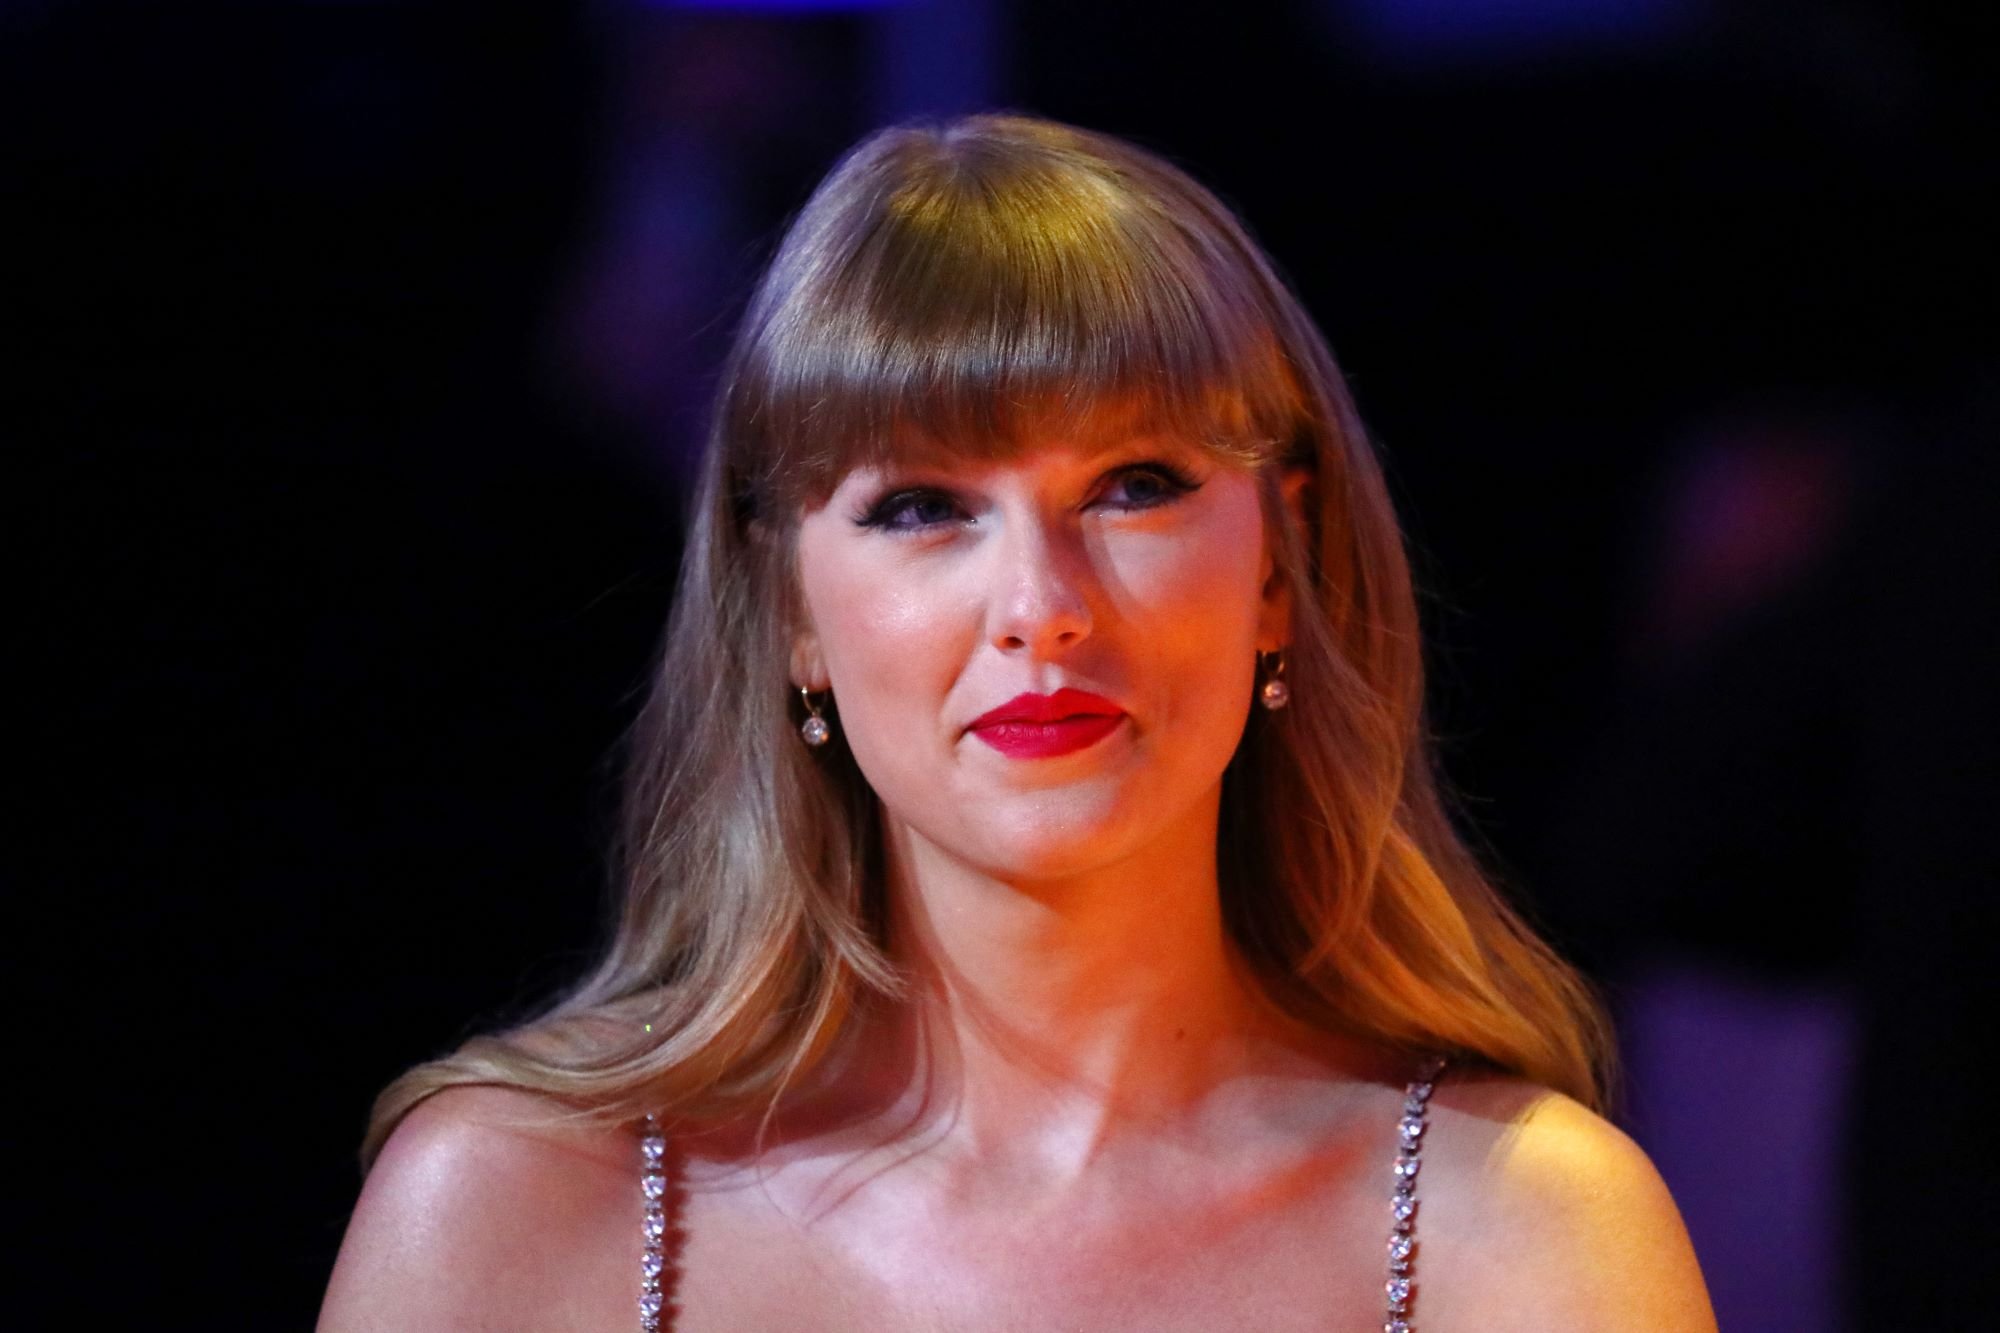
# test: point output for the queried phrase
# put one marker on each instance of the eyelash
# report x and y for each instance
(878, 515)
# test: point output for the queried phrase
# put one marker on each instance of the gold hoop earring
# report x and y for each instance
(816, 730)
(1274, 693)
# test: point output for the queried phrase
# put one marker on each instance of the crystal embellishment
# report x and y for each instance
(1401, 1288)
(653, 1259)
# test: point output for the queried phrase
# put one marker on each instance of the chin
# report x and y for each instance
(1051, 844)
(1049, 834)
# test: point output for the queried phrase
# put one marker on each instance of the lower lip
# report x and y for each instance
(1045, 740)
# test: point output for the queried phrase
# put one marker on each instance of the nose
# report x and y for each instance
(1041, 601)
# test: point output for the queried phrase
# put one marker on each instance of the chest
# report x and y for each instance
(1315, 1263)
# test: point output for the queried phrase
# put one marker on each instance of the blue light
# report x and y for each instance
(1503, 29)
(776, 6)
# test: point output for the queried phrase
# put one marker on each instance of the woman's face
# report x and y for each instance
(1137, 571)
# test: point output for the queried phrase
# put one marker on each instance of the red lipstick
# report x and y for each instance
(1041, 726)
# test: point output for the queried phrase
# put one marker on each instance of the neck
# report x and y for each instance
(1053, 1020)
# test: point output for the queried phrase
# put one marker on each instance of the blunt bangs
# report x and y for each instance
(947, 295)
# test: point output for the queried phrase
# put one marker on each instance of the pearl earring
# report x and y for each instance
(1275, 694)
(816, 729)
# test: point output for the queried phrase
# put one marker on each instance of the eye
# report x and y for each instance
(909, 511)
(1149, 485)
(919, 509)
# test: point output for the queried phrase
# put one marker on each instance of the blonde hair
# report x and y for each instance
(969, 284)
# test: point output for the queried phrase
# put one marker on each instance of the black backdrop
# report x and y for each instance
(343, 597)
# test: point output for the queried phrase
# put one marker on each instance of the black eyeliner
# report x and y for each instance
(877, 515)
(1177, 480)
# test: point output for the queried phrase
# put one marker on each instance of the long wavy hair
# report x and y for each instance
(975, 283)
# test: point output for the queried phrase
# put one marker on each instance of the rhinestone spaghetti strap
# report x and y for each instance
(1401, 1290)
(653, 1260)
(1403, 1203)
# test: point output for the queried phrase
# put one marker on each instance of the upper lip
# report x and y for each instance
(1049, 708)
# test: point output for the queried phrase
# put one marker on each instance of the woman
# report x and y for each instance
(1038, 905)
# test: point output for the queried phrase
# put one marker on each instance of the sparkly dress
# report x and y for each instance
(1399, 1291)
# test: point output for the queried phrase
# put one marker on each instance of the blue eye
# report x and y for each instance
(910, 511)
(1149, 485)
(1138, 486)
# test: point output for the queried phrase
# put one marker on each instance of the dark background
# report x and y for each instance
(353, 356)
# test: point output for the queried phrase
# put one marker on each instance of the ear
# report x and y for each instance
(808, 665)
(1274, 623)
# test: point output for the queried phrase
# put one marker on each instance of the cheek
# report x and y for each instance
(1193, 592)
(854, 613)
(1195, 609)
(887, 643)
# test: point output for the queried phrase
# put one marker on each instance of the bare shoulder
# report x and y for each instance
(474, 1217)
(1539, 1213)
